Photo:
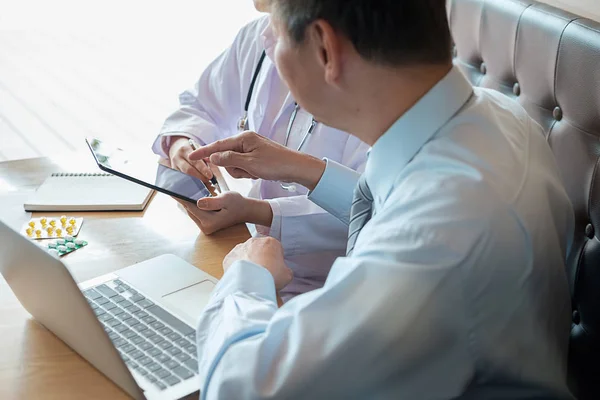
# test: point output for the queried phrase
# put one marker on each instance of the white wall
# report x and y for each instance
(106, 68)
(586, 8)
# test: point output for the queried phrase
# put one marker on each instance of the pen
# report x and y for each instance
(213, 180)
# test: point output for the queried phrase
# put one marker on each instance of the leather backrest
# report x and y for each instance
(549, 61)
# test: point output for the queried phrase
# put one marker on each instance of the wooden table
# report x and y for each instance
(34, 364)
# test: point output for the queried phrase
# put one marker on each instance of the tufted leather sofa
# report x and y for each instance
(549, 61)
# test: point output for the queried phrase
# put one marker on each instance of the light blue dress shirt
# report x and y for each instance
(456, 288)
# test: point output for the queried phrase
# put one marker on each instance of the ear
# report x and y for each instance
(329, 50)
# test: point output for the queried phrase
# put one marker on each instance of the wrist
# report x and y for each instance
(259, 212)
(171, 141)
(307, 170)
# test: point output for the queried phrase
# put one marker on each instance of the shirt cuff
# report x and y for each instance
(335, 190)
(245, 277)
(162, 144)
(274, 230)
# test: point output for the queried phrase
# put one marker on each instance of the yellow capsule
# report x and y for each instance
(50, 230)
(69, 230)
(29, 231)
(38, 233)
(58, 232)
(52, 222)
(32, 224)
(44, 220)
(72, 221)
(63, 219)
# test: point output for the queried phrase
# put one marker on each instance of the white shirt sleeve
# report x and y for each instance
(210, 110)
(303, 227)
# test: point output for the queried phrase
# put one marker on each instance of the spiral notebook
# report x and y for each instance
(88, 192)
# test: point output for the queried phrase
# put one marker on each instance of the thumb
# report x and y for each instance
(211, 203)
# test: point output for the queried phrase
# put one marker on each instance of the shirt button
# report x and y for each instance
(557, 113)
(590, 231)
(517, 89)
(483, 68)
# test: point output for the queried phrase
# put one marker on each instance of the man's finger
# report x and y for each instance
(187, 168)
(232, 143)
(211, 203)
(203, 168)
(199, 216)
(230, 159)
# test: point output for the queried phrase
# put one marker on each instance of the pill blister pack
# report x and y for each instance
(51, 228)
(63, 246)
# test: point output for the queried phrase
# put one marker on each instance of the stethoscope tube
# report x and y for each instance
(243, 122)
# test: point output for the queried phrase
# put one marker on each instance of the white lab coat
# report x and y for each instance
(311, 237)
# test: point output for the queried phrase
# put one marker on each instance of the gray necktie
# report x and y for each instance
(360, 213)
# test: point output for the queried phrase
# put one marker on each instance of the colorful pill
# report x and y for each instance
(32, 224)
(29, 231)
(58, 232)
(52, 222)
(38, 232)
(63, 219)
(44, 220)
(72, 221)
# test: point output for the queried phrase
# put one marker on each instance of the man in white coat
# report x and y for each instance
(224, 102)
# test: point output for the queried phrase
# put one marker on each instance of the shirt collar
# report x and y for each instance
(416, 127)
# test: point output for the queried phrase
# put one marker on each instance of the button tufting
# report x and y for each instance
(590, 231)
(557, 113)
(576, 317)
(517, 89)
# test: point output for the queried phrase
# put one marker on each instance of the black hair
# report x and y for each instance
(387, 32)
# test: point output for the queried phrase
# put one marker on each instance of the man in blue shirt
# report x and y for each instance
(454, 283)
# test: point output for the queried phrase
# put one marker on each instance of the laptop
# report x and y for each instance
(136, 326)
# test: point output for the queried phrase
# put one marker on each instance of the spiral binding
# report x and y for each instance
(61, 174)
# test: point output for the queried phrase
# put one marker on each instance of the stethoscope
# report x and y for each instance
(243, 122)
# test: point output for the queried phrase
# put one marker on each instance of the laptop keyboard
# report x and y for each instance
(150, 339)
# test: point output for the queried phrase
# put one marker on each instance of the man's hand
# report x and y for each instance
(215, 213)
(250, 155)
(266, 252)
(179, 155)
